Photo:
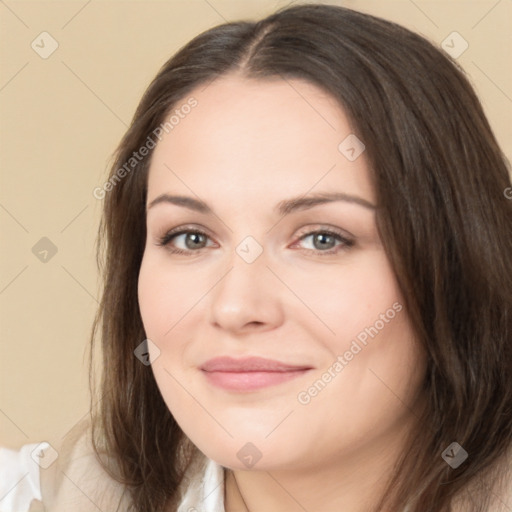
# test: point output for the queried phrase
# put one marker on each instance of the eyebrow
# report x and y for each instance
(283, 207)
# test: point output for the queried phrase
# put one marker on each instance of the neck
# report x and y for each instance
(352, 482)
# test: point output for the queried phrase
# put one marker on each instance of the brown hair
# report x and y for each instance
(443, 219)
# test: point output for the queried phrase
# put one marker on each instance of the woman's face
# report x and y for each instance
(282, 270)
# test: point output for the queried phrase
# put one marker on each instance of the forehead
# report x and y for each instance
(257, 140)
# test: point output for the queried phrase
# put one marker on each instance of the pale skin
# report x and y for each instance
(246, 147)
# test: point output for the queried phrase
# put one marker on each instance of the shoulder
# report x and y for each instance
(19, 478)
(68, 475)
(76, 480)
(496, 481)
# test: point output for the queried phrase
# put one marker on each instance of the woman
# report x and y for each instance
(307, 300)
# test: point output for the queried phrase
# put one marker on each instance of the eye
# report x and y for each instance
(323, 241)
(191, 240)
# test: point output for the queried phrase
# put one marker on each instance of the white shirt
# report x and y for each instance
(20, 481)
(19, 478)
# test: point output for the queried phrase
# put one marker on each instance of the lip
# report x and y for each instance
(250, 373)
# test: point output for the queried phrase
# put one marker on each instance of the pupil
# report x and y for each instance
(321, 239)
(195, 238)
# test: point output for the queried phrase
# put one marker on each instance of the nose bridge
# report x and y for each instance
(247, 277)
(246, 292)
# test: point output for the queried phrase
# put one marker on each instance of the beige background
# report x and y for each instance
(60, 120)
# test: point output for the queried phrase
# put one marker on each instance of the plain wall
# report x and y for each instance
(60, 120)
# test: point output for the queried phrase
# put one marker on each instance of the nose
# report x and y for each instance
(247, 297)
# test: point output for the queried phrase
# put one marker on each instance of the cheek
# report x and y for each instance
(163, 297)
(347, 299)
(164, 300)
(375, 365)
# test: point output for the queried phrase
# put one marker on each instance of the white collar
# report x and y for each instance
(203, 488)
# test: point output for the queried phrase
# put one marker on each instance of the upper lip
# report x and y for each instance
(249, 364)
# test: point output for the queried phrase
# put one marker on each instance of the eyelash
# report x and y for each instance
(170, 235)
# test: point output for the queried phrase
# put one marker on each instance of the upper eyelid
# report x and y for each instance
(307, 231)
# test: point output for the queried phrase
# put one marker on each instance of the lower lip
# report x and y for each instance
(250, 381)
